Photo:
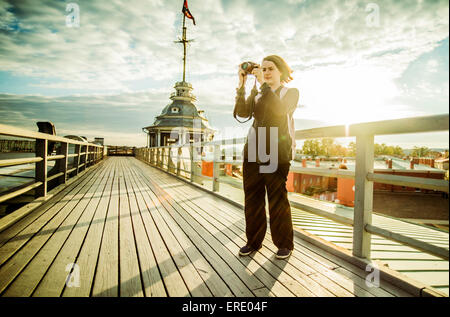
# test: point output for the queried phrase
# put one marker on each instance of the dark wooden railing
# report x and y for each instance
(85, 154)
(120, 150)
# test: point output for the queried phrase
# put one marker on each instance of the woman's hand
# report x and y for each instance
(242, 77)
(258, 74)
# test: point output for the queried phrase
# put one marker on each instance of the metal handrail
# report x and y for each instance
(364, 173)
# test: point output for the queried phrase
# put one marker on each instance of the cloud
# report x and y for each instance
(341, 62)
(125, 40)
(117, 118)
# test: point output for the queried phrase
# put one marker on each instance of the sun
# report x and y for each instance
(347, 95)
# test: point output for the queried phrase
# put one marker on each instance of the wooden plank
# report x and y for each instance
(212, 279)
(439, 278)
(201, 237)
(238, 212)
(62, 163)
(189, 246)
(88, 255)
(338, 287)
(31, 275)
(320, 224)
(325, 230)
(309, 249)
(130, 276)
(23, 133)
(25, 215)
(329, 234)
(254, 266)
(41, 167)
(20, 161)
(14, 239)
(191, 276)
(20, 191)
(54, 280)
(106, 279)
(429, 248)
(77, 161)
(297, 270)
(363, 195)
(385, 127)
(361, 282)
(386, 247)
(220, 258)
(228, 210)
(40, 235)
(417, 265)
(417, 182)
(173, 281)
(390, 255)
(202, 204)
(56, 157)
(152, 281)
(261, 258)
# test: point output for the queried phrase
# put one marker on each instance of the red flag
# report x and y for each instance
(186, 11)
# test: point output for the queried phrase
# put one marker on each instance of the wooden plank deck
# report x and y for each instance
(415, 264)
(133, 230)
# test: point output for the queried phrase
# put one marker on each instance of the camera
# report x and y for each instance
(248, 67)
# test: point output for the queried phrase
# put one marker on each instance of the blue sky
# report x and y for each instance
(114, 73)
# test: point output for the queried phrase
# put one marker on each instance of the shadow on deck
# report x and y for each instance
(127, 229)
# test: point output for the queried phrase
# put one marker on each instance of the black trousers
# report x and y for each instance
(255, 186)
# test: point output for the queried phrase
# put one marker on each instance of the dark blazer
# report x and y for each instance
(268, 110)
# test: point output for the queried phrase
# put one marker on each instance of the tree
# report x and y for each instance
(398, 151)
(339, 150)
(327, 145)
(312, 147)
(420, 151)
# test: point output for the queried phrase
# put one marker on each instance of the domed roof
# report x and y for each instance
(181, 112)
(180, 108)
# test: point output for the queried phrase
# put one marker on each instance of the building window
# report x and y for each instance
(175, 110)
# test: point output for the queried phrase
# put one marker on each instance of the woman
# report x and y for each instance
(268, 109)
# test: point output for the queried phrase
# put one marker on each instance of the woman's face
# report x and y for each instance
(270, 72)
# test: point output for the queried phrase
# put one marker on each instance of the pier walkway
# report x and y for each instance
(133, 230)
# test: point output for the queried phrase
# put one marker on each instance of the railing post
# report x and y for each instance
(191, 153)
(62, 163)
(86, 152)
(363, 195)
(41, 167)
(163, 157)
(179, 160)
(169, 150)
(78, 158)
(216, 167)
(157, 156)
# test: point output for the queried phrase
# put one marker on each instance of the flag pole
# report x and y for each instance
(184, 47)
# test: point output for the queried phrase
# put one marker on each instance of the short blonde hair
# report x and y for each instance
(282, 66)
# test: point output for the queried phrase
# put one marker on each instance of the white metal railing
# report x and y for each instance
(163, 157)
